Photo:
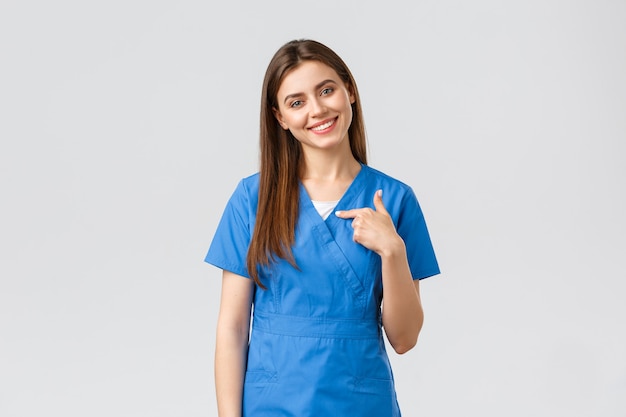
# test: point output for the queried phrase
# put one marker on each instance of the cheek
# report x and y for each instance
(296, 121)
(346, 104)
(349, 111)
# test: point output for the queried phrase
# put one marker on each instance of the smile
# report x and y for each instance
(324, 126)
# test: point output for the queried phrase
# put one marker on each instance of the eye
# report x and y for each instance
(296, 103)
(327, 91)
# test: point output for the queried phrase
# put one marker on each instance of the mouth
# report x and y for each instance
(323, 126)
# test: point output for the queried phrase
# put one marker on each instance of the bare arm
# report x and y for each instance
(402, 308)
(403, 315)
(233, 326)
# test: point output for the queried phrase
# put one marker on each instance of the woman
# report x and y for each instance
(309, 242)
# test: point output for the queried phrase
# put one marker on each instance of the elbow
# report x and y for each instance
(403, 347)
(406, 342)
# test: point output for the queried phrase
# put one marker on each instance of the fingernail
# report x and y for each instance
(338, 213)
(380, 193)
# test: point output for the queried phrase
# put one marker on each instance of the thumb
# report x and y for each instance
(378, 202)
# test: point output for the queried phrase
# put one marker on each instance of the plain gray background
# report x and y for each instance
(125, 126)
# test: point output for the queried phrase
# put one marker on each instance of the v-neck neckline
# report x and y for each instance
(348, 196)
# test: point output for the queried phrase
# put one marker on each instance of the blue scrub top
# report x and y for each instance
(316, 345)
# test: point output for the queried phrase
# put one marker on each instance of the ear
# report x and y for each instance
(351, 95)
(279, 117)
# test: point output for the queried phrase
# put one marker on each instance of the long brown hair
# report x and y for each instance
(281, 156)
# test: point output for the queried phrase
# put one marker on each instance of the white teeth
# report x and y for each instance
(324, 126)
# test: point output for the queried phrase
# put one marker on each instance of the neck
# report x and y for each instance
(329, 165)
(326, 175)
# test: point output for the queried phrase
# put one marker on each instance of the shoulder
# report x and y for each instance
(251, 181)
(386, 181)
(245, 196)
(248, 185)
(399, 198)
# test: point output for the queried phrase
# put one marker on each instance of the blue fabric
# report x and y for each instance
(316, 346)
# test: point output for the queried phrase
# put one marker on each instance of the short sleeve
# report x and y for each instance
(412, 228)
(229, 247)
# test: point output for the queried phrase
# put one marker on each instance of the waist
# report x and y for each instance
(362, 328)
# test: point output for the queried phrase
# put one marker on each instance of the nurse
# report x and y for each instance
(307, 246)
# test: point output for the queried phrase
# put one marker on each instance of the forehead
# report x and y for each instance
(305, 77)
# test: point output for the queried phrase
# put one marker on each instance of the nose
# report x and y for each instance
(317, 108)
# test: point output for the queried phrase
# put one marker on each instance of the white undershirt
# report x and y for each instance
(324, 208)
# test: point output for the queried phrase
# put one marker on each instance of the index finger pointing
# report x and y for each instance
(347, 214)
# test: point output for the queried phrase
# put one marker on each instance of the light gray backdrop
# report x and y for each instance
(125, 126)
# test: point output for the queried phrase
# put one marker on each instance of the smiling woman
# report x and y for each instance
(316, 279)
(320, 115)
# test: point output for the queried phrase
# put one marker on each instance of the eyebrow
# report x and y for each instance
(319, 85)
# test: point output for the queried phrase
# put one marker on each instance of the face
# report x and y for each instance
(315, 105)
